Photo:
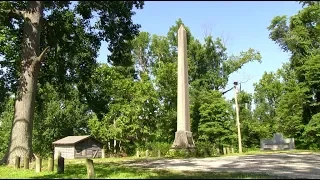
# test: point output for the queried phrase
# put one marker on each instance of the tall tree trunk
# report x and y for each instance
(21, 134)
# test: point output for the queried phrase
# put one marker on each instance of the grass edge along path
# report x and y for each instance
(113, 168)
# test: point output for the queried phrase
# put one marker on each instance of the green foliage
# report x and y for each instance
(181, 153)
(73, 33)
(72, 40)
(299, 102)
(205, 149)
(57, 118)
(133, 99)
(153, 148)
(5, 125)
(311, 133)
(252, 130)
(299, 36)
(131, 109)
(290, 106)
(139, 110)
(266, 97)
(216, 124)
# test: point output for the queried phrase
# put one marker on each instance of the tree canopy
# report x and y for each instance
(51, 79)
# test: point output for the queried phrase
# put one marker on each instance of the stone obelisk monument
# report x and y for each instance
(183, 137)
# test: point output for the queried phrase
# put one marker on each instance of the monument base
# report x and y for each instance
(183, 140)
(183, 145)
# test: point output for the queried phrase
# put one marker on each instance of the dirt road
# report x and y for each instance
(298, 165)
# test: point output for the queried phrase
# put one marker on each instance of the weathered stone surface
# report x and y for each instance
(183, 136)
(277, 143)
(183, 140)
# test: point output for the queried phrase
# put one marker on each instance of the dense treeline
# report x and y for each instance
(131, 102)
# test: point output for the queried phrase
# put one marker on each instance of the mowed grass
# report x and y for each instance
(264, 152)
(114, 168)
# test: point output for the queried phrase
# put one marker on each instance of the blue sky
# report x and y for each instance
(243, 24)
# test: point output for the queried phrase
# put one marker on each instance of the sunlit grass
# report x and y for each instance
(261, 152)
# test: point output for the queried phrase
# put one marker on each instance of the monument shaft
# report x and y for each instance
(183, 115)
(183, 137)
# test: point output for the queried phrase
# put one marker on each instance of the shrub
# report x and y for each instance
(206, 149)
(153, 148)
(182, 153)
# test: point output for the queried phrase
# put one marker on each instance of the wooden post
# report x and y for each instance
(138, 154)
(218, 151)
(38, 164)
(103, 153)
(147, 153)
(59, 154)
(232, 150)
(17, 162)
(26, 162)
(224, 151)
(159, 153)
(228, 150)
(90, 168)
(60, 168)
(237, 116)
(50, 164)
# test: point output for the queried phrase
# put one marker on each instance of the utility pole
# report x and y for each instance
(237, 116)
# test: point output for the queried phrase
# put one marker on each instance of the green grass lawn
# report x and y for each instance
(114, 168)
(259, 152)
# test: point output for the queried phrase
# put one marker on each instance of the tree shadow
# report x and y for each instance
(120, 170)
(282, 165)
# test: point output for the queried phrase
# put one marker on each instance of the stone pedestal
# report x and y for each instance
(183, 140)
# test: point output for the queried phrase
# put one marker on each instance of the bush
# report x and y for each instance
(311, 134)
(248, 149)
(183, 153)
(153, 148)
(206, 149)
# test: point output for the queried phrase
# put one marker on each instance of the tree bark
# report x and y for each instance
(21, 133)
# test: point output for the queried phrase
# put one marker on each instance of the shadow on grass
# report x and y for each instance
(117, 170)
(129, 168)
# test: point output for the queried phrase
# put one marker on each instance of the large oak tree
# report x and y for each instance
(36, 27)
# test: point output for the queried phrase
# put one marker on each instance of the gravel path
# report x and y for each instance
(298, 165)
